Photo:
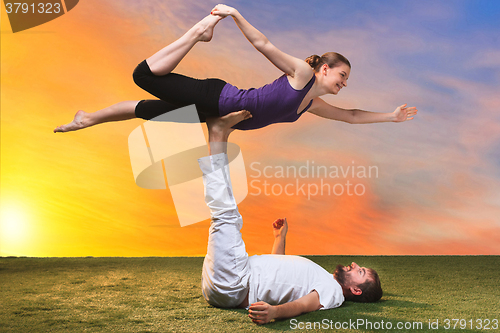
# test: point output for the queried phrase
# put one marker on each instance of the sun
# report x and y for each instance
(13, 231)
(12, 223)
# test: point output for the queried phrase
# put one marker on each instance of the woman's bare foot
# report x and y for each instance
(205, 28)
(220, 128)
(78, 122)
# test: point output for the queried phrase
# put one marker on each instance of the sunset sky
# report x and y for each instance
(437, 189)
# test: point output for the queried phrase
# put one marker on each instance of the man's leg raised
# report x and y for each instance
(225, 269)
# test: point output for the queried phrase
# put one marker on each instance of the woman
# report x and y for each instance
(284, 100)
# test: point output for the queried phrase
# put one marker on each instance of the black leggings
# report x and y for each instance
(176, 91)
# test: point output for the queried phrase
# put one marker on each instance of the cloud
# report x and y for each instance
(486, 59)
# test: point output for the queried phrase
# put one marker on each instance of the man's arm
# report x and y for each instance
(262, 312)
(280, 228)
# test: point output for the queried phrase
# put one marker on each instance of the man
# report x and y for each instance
(275, 286)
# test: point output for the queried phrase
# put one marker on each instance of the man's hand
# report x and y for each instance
(280, 228)
(261, 312)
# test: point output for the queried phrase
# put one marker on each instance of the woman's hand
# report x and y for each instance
(280, 228)
(223, 10)
(261, 312)
(402, 113)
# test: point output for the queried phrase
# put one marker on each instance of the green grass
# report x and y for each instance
(163, 295)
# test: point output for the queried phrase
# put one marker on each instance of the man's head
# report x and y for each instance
(359, 284)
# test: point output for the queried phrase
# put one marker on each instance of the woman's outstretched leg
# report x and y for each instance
(116, 112)
(165, 60)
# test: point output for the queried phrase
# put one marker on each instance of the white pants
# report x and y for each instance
(225, 275)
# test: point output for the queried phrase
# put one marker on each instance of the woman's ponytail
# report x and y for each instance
(314, 61)
(332, 59)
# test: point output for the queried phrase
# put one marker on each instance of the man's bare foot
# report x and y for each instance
(220, 128)
(78, 122)
(205, 28)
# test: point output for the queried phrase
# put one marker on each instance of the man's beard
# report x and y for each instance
(340, 275)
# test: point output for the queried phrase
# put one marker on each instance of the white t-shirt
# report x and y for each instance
(278, 279)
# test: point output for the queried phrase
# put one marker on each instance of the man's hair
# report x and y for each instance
(371, 289)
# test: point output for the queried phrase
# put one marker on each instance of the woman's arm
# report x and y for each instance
(285, 62)
(356, 116)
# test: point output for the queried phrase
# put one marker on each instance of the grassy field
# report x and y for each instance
(163, 295)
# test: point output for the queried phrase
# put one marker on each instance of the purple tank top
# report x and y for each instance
(276, 102)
